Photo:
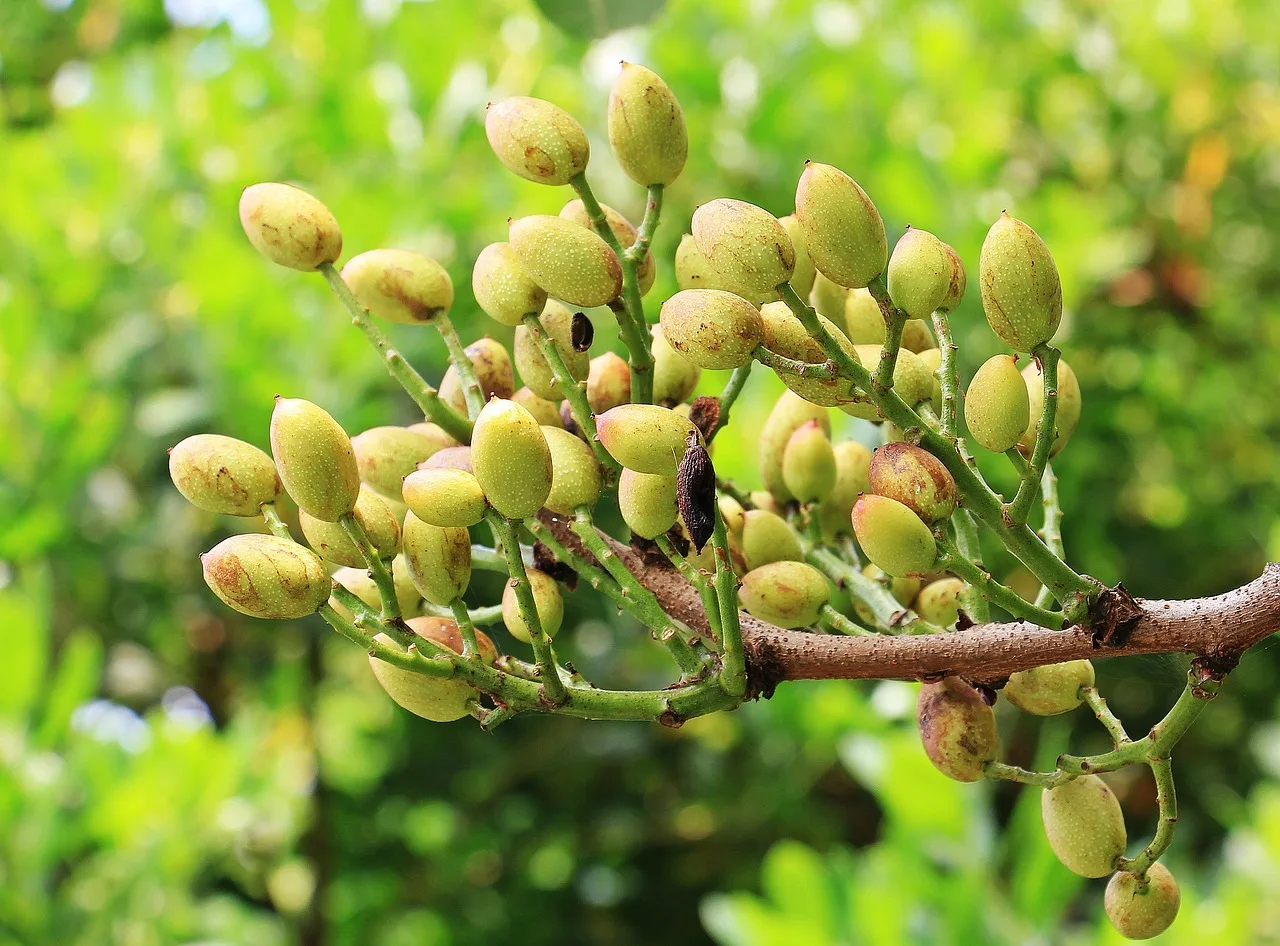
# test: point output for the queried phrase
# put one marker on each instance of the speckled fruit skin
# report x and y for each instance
(503, 287)
(223, 475)
(694, 271)
(1138, 913)
(450, 458)
(569, 261)
(957, 729)
(546, 413)
(547, 600)
(931, 358)
(1084, 825)
(265, 576)
(575, 473)
(314, 459)
(959, 280)
(809, 464)
(939, 602)
(914, 477)
(432, 698)
(911, 380)
(827, 298)
(646, 127)
(863, 320)
(803, 276)
(785, 335)
(997, 409)
(399, 285)
(916, 336)
(647, 502)
(492, 365)
(445, 497)
(1051, 689)
(359, 582)
(608, 382)
(289, 227)
(853, 460)
(788, 594)
(1069, 406)
(892, 536)
(375, 515)
(787, 414)
(439, 559)
(538, 141)
(674, 375)
(624, 232)
(919, 274)
(644, 437)
(745, 244)
(714, 329)
(766, 538)
(557, 322)
(386, 455)
(843, 231)
(1021, 293)
(511, 459)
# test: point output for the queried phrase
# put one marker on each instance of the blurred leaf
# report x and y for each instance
(592, 19)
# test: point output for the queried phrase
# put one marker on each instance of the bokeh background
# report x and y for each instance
(171, 772)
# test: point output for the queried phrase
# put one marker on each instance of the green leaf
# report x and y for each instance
(75, 680)
(591, 19)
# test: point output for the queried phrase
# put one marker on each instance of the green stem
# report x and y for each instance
(1098, 703)
(548, 673)
(1046, 433)
(472, 393)
(644, 235)
(484, 617)
(894, 321)
(410, 659)
(843, 624)
(890, 615)
(378, 570)
(822, 370)
(487, 559)
(970, 548)
(694, 577)
(947, 373)
(271, 516)
(729, 396)
(1051, 530)
(1000, 595)
(462, 617)
(733, 662)
(1167, 800)
(428, 401)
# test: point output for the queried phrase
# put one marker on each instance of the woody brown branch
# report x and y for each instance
(1219, 628)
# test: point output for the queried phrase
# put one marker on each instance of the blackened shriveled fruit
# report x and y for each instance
(696, 492)
(581, 332)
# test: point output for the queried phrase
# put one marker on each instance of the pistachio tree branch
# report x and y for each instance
(423, 394)
(1018, 509)
(472, 393)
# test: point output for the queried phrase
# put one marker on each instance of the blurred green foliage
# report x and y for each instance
(172, 772)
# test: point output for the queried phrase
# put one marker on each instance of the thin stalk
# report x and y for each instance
(729, 396)
(1046, 433)
(548, 673)
(410, 659)
(894, 321)
(484, 617)
(733, 662)
(472, 393)
(694, 577)
(644, 235)
(462, 617)
(970, 548)
(1098, 703)
(822, 370)
(423, 394)
(271, 516)
(1167, 800)
(1051, 530)
(844, 625)
(487, 559)
(891, 616)
(998, 594)
(378, 570)
(947, 373)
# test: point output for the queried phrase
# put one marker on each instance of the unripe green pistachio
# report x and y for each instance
(539, 141)
(386, 455)
(829, 299)
(1138, 910)
(569, 261)
(919, 275)
(959, 281)
(766, 537)
(511, 459)
(744, 244)
(439, 559)
(939, 602)
(852, 463)
(693, 271)
(360, 583)
(644, 437)
(546, 413)
(608, 383)
(375, 516)
(997, 408)
(624, 232)
(450, 458)
(784, 334)
(892, 536)
(733, 514)
(575, 472)
(802, 278)
(314, 459)
(674, 375)
(788, 413)
(503, 287)
(289, 227)
(712, 328)
(911, 380)
(557, 322)
(932, 359)
(492, 365)
(788, 594)
(434, 433)
(399, 285)
(957, 729)
(265, 576)
(843, 231)
(1069, 405)
(1021, 292)
(763, 499)
(914, 477)
(440, 700)
(445, 497)
(863, 320)
(548, 602)
(916, 336)
(647, 502)
(646, 127)
(1084, 825)
(809, 464)
(223, 475)
(1051, 689)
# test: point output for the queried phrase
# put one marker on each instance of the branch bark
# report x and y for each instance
(1218, 628)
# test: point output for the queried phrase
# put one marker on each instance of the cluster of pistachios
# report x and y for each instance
(875, 532)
